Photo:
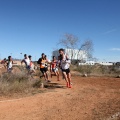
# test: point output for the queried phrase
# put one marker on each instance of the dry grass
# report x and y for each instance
(97, 70)
(18, 83)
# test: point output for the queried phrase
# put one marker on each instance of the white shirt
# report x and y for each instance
(27, 61)
(65, 64)
(10, 65)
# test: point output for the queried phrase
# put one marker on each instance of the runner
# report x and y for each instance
(10, 64)
(65, 64)
(59, 65)
(4, 62)
(46, 63)
(26, 60)
(42, 61)
(32, 70)
(54, 68)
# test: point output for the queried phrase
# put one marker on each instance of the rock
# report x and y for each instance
(85, 75)
(118, 76)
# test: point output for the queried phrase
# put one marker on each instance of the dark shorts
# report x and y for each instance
(46, 68)
(43, 70)
(28, 67)
(67, 71)
(9, 69)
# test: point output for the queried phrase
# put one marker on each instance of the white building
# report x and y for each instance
(73, 54)
(105, 63)
(88, 63)
(93, 63)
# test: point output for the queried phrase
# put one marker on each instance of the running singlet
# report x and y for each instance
(65, 62)
(42, 64)
(10, 64)
(27, 62)
(54, 64)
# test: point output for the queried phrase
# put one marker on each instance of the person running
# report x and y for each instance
(59, 65)
(10, 64)
(32, 70)
(42, 61)
(26, 60)
(4, 62)
(65, 65)
(54, 67)
(46, 63)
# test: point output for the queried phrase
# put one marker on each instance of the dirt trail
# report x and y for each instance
(91, 98)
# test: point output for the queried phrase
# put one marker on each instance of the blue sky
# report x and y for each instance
(35, 26)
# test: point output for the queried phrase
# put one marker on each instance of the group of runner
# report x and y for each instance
(62, 63)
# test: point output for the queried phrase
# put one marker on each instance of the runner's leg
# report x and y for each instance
(57, 73)
(69, 79)
(65, 76)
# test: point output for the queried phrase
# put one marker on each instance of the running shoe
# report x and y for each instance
(67, 84)
(70, 86)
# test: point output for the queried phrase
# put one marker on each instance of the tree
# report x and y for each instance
(72, 42)
(69, 41)
(87, 47)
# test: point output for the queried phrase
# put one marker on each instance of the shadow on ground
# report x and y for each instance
(53, 86)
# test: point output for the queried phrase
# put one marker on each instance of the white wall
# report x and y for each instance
(93, 63)
(105, 63)
(72, 54)
(88, 63)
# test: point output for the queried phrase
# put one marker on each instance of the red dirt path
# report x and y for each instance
(90, 98)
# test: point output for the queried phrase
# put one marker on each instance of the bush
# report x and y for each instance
(85, 69)
(97, 70)
(18, 83)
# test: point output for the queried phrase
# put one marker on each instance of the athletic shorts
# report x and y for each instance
(43, 70)
(54, 69)
(9, 69)
(66, 70)
(46, 68)
(28, 67)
